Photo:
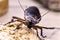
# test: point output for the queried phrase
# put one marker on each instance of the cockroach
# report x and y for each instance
(32, 17)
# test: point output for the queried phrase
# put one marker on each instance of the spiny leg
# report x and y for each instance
(40, 27)
(14, 17)
(12, 20)
(38, 34)
(35, 27)
(44, 28)
(42, 33)
(20, 20)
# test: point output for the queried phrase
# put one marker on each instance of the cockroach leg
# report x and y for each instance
(12, 20)
(18, 18)
(23, 22)
(41, 28)
(38, 34)
(42, 33)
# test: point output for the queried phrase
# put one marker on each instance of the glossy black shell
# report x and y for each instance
(32, 15)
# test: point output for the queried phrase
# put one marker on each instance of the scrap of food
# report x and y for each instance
(17, 29)
(11, 32)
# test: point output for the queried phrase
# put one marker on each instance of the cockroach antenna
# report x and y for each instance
(20, 5)
(45, 14)
(23, 9)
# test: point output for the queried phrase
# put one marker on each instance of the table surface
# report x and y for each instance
(51, 19)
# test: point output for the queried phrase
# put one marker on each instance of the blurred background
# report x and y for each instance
(51, 19)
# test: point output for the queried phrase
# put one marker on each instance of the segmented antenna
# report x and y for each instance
(45, 14)
(20, 5)
(23, 9)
